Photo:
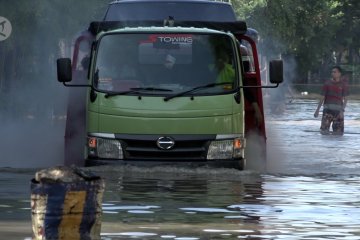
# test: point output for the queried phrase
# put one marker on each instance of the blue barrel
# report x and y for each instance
(67, 210)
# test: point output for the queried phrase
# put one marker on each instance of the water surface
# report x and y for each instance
(310, 189)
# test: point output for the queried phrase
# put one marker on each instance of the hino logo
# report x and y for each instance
(165, 143)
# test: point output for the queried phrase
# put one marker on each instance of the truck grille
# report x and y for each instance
(186, 147)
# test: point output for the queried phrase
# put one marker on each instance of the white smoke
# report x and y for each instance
(33, 103)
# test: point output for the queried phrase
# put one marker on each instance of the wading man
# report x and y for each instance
(334, 92)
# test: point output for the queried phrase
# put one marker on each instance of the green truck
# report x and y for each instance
(163, 91)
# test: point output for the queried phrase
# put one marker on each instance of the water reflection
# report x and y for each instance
(195, 204)
(160, 203)
(310, 190)
(251, 207)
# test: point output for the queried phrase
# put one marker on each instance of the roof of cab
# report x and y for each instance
(237, 27)
(164, 30)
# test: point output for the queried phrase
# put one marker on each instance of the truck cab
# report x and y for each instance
(154, 87)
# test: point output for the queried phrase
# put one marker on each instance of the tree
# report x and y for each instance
(310, 31)
(245, 9)
(346, 38)
(299, 28)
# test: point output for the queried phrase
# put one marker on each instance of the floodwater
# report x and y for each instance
(309, 190)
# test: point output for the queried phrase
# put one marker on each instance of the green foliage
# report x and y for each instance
(347, 13)
(310, 31)
(245, 9)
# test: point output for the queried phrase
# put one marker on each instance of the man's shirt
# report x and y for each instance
(334, 93)
(227, 74)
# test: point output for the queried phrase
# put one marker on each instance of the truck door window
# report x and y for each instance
(81, 58)
(247, 56)
(176, 61)
(83, 55)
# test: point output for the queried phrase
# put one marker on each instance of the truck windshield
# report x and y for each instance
(165, 64)
(180, 10)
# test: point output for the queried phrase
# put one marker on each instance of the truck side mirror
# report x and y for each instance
(64, 71)
(276, 71)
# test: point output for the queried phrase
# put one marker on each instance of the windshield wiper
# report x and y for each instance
(196, 89)
(111, 94)
(136, 90)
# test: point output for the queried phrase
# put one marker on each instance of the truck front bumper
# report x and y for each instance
(209, 149)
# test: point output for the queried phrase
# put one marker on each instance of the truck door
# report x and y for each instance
(252, 78)
(76, 114)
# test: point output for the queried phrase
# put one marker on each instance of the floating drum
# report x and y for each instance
(66, 204)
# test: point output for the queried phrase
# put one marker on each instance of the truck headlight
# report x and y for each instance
(104, 148)
(226, 149)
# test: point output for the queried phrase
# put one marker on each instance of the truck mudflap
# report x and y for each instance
(75, 128)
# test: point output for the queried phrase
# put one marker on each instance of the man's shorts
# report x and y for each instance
(334, 117)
